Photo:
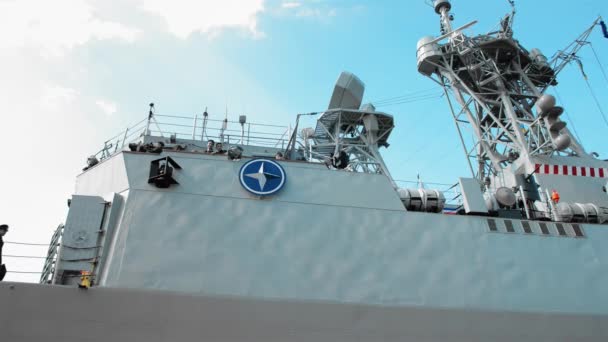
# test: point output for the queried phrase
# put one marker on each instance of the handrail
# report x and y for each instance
(214, 120)
(197, 128)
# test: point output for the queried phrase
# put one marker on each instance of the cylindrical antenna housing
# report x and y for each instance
(439, 4)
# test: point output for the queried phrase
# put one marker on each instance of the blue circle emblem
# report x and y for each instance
(262, 177)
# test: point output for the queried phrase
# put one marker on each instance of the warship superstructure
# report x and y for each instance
(302, 234)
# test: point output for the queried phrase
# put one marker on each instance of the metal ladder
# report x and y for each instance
(48, 270)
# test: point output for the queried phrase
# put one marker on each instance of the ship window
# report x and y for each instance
(526, 226)
(577, 230)
(509, 225)
(560, 229)
(544, 228)
(492, 225)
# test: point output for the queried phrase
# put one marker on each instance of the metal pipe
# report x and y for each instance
(124, 138)
(248, 132)
(194, 127)
(525, 200)
(205, 118)
(150, 116)
(242, 134)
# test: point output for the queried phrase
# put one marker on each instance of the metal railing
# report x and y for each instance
(198, 129)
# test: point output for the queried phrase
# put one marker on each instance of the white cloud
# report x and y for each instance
(185, 17)
(108, 107)
(316, 12)
(291, 4)
(313, 9)
(55, 96)
(55, 25)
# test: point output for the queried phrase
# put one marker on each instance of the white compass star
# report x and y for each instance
(262, 176)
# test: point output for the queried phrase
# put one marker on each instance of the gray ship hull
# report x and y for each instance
(328, 236)
(58, 313)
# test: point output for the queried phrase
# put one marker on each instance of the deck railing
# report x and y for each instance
(198, 129)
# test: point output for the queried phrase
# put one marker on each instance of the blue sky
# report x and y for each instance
(76, 72)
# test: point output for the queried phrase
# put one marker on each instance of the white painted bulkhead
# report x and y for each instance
(337, 236)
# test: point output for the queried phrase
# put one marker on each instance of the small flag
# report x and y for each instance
(604, 29)
(451, 209)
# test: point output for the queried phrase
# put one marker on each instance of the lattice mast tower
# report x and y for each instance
(498, 87)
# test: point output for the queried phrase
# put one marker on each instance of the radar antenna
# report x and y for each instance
(498, 87)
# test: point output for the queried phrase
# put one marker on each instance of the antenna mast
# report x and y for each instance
(498, 87)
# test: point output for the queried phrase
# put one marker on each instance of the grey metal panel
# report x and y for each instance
(109, 176)
(80, 241)
(584, 190)
(116, 245)
(572, 188)
(201, 244)
(331, 235)
(306, 183)
(52, 313)
(110, 226)
(472, 197)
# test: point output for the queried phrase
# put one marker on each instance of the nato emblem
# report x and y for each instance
(262, 177)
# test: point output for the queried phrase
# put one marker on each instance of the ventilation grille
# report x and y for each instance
(509, 226)
(535, 228)
(526, 226)
(492, 225)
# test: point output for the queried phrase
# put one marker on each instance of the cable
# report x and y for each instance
(597, 102)
(24, 272)
(417, 99)
(412, 94)
(399, 99)
(23, 256)
(559, 98)
(26, 243)
(597, 58)
(428, 97)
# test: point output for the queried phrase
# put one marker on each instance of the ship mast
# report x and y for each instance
(498, 87)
